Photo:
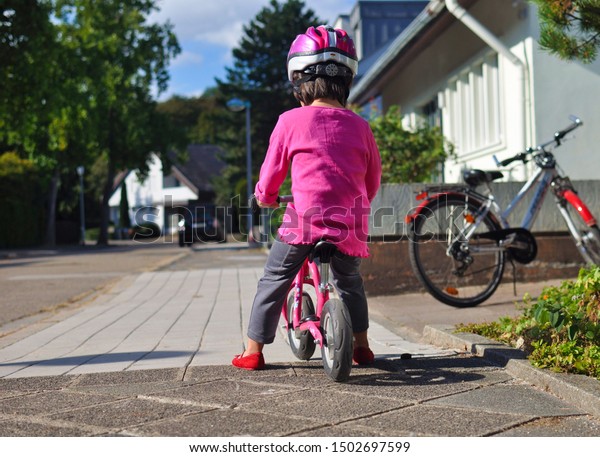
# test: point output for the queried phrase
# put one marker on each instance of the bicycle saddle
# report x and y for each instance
(476, 177)
(323, 250)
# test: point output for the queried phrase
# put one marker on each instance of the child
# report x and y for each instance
(335, 171)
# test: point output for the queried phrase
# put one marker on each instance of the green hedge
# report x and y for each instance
(21, 202)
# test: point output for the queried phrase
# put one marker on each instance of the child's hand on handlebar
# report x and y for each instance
(264, 205)
(256, 204)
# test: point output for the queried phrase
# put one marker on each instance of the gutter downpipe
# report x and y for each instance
(491, 40)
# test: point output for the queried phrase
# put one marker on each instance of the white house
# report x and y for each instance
(164, 195)
(475, 68)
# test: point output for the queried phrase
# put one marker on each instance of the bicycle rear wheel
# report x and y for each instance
(589, 246)
(456, 272)
(302, 343)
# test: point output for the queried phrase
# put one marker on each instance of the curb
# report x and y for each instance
(580, 391)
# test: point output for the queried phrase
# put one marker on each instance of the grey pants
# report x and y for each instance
(283, 263)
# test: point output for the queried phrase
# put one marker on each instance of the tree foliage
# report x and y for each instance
(28, 53)
(77, 79)
(408, 156)
(259, 76)
(120, 57)
(570, 28)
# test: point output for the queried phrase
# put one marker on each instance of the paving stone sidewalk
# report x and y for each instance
(151, 357)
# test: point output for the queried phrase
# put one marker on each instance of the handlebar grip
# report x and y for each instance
(253, 202)
(561, 133)
(522, 156)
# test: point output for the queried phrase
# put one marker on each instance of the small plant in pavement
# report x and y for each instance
(560, 330)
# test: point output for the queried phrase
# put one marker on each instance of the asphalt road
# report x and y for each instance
(33, 282)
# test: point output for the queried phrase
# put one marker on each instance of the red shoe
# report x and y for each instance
(363, 356)
(254, 361)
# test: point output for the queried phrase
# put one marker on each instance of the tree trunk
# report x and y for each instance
(50, 238)
(105, 209)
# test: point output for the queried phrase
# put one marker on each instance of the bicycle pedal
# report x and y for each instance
(310, 318)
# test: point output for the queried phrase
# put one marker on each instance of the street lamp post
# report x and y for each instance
(80, 171)
(240, 105)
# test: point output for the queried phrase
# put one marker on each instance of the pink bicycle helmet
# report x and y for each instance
(323, 50)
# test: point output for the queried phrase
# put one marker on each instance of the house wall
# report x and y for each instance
(554, 89)
(562, 88)
(147, 198)
(374, 23)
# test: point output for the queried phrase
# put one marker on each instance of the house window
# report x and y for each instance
(432, 114)
(170, 181)
(473, 107)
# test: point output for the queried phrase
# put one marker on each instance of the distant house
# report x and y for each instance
(475, 69)
(373, 24)
(164, 195)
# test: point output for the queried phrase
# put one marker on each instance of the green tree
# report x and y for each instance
(39, 119)
(120, 58)
(259, 76)
(28, 55)
(570, 28)
(408, 156)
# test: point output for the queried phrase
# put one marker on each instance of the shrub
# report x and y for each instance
(21, 202)
(559, 331)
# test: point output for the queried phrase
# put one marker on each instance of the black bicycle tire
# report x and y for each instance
(338, 363)
(419, 270)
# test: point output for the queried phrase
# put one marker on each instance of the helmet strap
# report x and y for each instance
(297, 83)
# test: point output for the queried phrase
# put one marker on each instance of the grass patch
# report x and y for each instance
(559, 331)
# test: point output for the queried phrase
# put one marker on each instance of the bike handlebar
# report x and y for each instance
(558, 136)
(253, 202)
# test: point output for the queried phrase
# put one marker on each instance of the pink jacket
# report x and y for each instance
(336, 171)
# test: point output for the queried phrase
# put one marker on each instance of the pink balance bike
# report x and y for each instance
(325, 323)
(328, 325)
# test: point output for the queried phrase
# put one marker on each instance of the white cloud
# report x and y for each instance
(213, 21)
(221, 21)
(187, 58)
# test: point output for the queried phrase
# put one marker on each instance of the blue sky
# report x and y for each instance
(208, 30)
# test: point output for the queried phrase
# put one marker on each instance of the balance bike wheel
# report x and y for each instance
(336, 328)
(302, 343)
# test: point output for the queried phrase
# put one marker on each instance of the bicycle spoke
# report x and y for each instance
(456, 271)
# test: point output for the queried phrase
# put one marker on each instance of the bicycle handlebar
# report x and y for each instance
(558, 136)
(253, 202)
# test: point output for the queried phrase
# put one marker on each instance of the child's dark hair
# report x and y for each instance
(335, 88)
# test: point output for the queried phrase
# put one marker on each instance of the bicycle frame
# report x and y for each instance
(317, 276)
(542, 180)
(542, 177)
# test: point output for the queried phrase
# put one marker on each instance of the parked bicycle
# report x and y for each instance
(461, 238)
(328, 324)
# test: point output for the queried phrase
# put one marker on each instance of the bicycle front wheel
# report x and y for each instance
(458, 272)
(587, 237)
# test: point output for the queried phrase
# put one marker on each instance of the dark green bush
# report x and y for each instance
(21, 203)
